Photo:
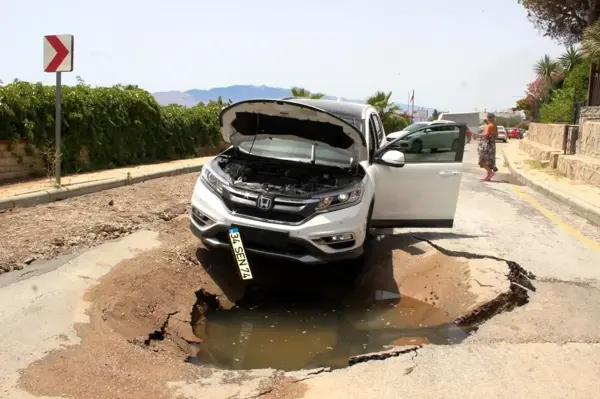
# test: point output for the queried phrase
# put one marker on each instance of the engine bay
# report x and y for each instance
(297, 179)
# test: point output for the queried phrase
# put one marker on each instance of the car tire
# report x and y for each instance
(505, 140)
(416, 146)
(434, 150)
(454, 145)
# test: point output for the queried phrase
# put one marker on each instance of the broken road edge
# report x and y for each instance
(58, 194)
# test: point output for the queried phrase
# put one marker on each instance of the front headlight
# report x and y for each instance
(211, 180)
(340, 200)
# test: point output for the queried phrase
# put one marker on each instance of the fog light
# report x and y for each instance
(201, 218)
(338, 238)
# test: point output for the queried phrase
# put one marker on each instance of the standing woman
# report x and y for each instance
(487, 147)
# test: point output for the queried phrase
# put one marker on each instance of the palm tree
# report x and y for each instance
(300, 92)
(387, 110)
(590, 43)
(570, 58)
(546, 67)
(381, 102)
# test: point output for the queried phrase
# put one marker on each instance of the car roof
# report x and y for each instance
(352, 110)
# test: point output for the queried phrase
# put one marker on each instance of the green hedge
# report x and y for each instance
(119, 126)
(562, 102)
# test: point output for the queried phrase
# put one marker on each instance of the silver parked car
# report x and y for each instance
(502, 136)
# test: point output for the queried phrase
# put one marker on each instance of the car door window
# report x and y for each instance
(373, 145)
(437, 143)
(378, 127)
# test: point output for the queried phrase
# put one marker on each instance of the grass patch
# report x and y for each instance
(537, 165)
(534, 164)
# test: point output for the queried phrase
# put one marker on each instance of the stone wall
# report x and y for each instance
(581, 168)
(548, 134)
(589, 113)
(15, 164)
(589, 139)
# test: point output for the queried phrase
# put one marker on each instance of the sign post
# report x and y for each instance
(58, 58)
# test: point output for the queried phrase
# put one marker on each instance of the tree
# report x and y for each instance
(562, 20)
(527, 105)
(561, 104)
(570, 59)
(300, 92)
(539, 88)
(434, 115)
(546, 67)
(387, 110)
(590, 44)
(381, 102)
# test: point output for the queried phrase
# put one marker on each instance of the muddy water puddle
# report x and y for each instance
(283, 333)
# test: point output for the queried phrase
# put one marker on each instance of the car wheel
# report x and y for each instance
(416, 146)
(434, 150)
(505, 140)
(455, 145)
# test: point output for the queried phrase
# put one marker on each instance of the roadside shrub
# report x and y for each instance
(560, 108)
(118, 126)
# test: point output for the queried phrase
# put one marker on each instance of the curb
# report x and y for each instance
(578, 207)
(57, 194)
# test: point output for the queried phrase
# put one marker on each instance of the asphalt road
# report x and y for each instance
(546, 349)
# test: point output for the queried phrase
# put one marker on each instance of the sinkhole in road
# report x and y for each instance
(288, 332)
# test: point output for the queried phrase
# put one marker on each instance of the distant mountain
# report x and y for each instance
(236, 93)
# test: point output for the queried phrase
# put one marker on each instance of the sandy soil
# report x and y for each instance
(116, 359)
(45, 231)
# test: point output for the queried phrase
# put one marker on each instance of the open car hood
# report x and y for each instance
(286, 119)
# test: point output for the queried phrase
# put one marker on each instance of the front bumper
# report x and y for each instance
(210, 219)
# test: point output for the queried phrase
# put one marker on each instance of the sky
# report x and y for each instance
(456, 55)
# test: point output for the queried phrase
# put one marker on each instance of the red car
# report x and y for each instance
(513, 133)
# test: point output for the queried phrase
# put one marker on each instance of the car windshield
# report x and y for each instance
(293, 150)
(416, 126)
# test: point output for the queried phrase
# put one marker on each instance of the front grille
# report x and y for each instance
(266, 240)
(284, 209)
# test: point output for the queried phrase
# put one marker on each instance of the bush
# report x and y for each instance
(562, 103)
(118, 126)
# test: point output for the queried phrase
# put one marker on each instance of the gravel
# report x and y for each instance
(46, 231)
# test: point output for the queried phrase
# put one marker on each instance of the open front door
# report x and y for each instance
(418, 189)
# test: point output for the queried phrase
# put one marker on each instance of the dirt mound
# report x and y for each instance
(139, 331)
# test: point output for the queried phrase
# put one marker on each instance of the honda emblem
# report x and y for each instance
(264, 203)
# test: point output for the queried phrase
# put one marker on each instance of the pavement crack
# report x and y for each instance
(517, 295)
(483, 285)
(412, 368)
(312, 374)
(382, 355)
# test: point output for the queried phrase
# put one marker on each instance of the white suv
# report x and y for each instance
(306, 180)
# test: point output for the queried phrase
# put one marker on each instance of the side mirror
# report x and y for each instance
(392, 158)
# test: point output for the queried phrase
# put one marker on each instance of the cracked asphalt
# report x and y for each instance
(548, 348)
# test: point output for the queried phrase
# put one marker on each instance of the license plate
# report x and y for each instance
(239, 253)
